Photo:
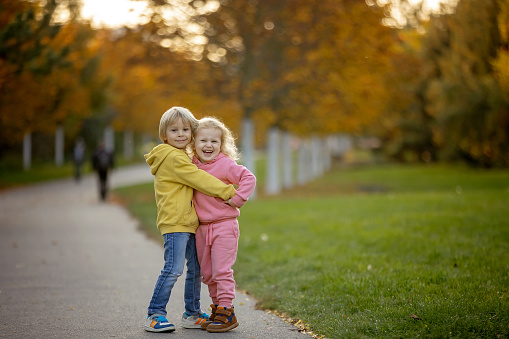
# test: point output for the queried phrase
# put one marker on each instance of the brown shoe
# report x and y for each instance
(224, 320)
(211, 318)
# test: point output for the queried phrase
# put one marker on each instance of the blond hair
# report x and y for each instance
(228, 146)
(173, 114)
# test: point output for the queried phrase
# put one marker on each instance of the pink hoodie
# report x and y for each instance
(210, 209)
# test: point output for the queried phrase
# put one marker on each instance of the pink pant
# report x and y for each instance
(216, 244)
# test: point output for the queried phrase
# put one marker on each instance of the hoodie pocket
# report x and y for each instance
(235, 228)
(190, 212)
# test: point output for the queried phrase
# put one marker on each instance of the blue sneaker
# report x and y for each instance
(194, 321)
(158, 323)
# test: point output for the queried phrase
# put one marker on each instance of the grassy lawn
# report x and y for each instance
(387, 251)
(13, 175)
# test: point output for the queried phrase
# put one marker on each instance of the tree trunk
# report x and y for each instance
(327, 160)
(287, 161)
(146, 143)
(272, 183)
(315, 157)
(109, 139)
(304, 162)
(248, 147)
(128, 144)
(59, 145)
(27, 151)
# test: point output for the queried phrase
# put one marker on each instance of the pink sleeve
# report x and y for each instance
(241, 176)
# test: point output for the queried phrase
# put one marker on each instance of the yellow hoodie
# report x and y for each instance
(175, 178)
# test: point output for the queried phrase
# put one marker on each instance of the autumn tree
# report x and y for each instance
(25, 56)
(464, 96)
(295, 65)
(339, 78)
(46, 75)
(405, 127)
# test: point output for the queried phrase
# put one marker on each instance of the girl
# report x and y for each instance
(217, 236)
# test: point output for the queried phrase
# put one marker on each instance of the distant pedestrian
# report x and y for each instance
(175, 179)
(78, 158)
(217, 236)
(102, 162)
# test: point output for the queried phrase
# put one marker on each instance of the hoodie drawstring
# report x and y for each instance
(209, 236)
(210, 232)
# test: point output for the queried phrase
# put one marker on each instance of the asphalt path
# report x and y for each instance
(74, 267)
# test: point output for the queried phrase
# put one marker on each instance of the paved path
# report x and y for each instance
(72, 267)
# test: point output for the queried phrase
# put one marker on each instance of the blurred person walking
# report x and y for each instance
(78, 158)
(102, 162)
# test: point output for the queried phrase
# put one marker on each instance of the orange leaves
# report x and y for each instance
(40, 76)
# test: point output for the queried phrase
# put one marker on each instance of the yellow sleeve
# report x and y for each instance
(188, 174)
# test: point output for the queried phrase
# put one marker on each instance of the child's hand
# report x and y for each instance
(231, 203)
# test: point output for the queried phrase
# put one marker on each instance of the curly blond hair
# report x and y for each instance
(228, 146)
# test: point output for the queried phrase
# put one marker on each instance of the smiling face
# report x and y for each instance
(178, 134)
(207, 144)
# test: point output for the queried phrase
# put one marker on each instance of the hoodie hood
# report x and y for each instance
(198, 163)
(156, 157)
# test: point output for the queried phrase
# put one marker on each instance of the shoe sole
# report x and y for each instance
(192, 325)
(221, 330)
(205, 325)
(150, 329)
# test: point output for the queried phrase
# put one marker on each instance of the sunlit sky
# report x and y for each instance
(115, 13)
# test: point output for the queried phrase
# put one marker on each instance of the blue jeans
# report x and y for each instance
(177, 248)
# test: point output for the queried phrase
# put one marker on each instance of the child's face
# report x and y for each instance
(178, 134)
(208, 144)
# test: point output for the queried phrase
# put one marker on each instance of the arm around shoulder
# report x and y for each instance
(188, 174)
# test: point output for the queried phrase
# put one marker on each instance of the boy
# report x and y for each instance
(175, 178)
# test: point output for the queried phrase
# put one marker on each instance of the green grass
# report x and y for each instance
(359, 251)
(140, 201)
(13, 175)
